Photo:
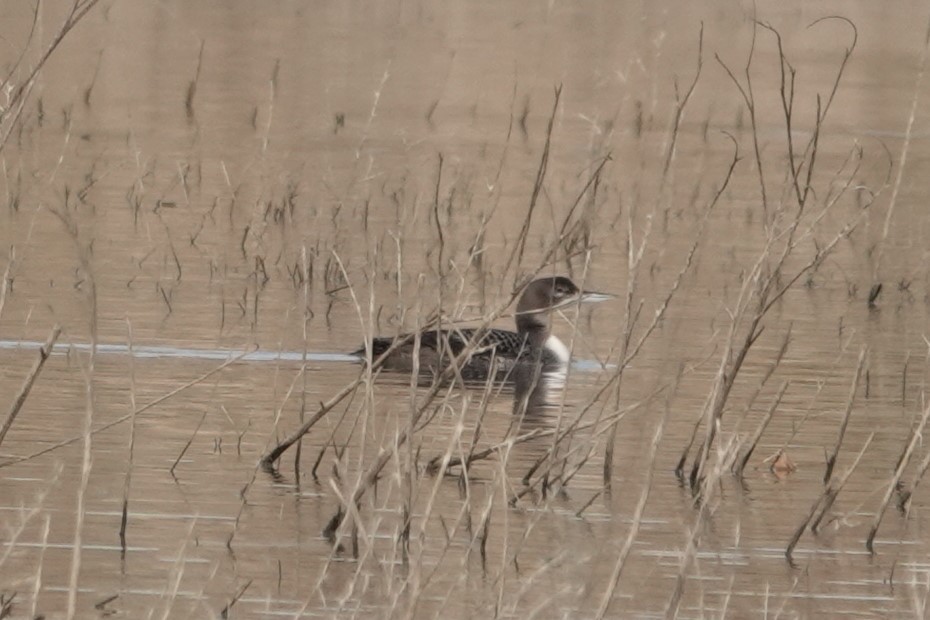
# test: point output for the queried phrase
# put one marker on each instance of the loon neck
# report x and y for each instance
(535, 328)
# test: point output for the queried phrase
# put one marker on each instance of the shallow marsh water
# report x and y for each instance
(367, 147)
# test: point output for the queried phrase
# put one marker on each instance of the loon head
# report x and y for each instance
(547, 294)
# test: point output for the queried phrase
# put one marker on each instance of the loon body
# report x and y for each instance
(496, 351)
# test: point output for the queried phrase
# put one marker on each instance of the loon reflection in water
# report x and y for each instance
(497, 352)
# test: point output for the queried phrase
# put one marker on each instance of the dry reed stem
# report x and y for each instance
(6, 281)
(907, 359)
(37, 586)
(905, 149)
(634, 256)
(748, 97)
(510, 555)
(903, 460)
(563, 477)
(374, 109)
(920, 596)
(520, 246)
(272, 95)
(127, 480)
(438, 463)
(84, 255)
(831, 460)
(44, 352)
(259, 465)
(12, 532)
(813, 400)
(726, 372)
(6, 604)
(904, 499)
(440, 270)
(787, 93)
(365, 377)
(275, 453)
(307, 317)
(609, 423)
(538, 377)
(176, 574)
(384, 456)
(476, 434)
(542, 603)
(761, 429)
(279, 407)
(640, 507)
(681, 104)
(709, 483)
(227, 609)
(629, 352)
(192, 85)
(8, 78)
(824, 502)
(414, 584)
(769, 372)
(187, 445)
(601, 425)
(830, 497)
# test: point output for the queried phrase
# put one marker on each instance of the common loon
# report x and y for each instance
(531, 344)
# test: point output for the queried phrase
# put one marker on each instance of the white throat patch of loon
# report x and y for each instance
(558, 349)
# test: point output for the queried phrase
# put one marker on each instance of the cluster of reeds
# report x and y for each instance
(798, 232)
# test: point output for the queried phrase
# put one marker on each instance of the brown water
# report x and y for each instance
(312, 143)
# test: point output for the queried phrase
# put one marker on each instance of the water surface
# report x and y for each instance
(341, 170)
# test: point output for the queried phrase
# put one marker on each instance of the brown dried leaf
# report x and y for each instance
(781, 464)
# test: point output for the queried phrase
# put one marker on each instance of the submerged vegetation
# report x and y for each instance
(711, 373)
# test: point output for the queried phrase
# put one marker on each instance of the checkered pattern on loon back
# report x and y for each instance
(498, 342)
